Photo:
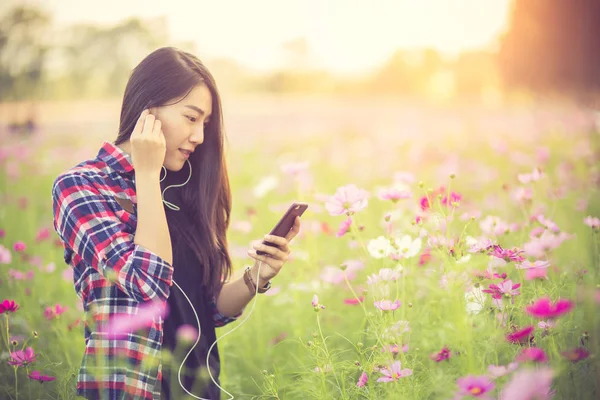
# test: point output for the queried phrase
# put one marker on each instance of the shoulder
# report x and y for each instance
(87, 175)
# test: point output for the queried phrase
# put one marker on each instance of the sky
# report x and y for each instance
(345, 36)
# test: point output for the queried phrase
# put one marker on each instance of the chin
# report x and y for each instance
(174, 166)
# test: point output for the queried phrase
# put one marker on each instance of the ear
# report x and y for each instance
(152, 110)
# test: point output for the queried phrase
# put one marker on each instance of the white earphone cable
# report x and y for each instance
(213, 345)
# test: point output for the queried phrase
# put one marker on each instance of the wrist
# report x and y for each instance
(254, 274)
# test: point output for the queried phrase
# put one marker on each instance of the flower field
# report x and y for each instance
(447, 252)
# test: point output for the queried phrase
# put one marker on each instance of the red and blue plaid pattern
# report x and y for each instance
(112, 275)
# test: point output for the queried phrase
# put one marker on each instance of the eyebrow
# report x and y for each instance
(198, 110)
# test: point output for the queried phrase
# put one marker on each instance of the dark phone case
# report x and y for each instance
(285, 223)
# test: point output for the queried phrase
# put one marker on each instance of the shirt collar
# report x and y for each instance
(115, 158)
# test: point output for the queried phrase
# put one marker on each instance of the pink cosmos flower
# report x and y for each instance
(52, 313)
(8, 306)
(43, 234)
(187, 333)
(539, 264)
(347, 200)
(534, 176)
(344, 227)
(5, 256)
(507, 255)
(2, 233)
(451, 200)
(576, 354)
(532, 354)
(315, 301)
(506, 288)
(529, 384)
(536, 273)
(387, 305)
(19, 247)
(546, 325)
(442, 355)
(123, 324)
(336, 275)
(394, 194)
(496, 371)
(354, 301)
(362, 380)
(474, 386)
(37, 376)
(520, 336)
(22, 358)
(543, 308)
(394, 372)
(548, 223)
(592, 222)
(538, 247)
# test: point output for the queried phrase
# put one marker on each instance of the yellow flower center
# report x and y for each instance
(475, 390)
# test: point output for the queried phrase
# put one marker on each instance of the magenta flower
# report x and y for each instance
(449, 200)
(575, 355)
(354, 301)
(474, 386)
(394, 372)
(362, 380)
(543, 308)
(123, 324)
(344, 227)
(347, 200)
(529, 384)
(37, 376)
(442, 355)
(507, 255)
(532, 354)
(506, 288)
(22, 358)
(387, 305)
(520, 336)
(497, 371)
(8, 306)
(19, 247)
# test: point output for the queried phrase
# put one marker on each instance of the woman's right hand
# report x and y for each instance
(148, 146)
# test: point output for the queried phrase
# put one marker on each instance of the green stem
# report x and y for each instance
(16, 384)
(327, 353)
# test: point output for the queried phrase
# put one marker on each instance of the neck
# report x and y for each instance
(125, 146)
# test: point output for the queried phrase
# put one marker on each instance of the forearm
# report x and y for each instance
(235, 295)
(152, 230)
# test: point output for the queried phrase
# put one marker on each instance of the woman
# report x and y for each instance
(132, 242)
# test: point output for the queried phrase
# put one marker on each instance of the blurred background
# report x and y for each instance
(69, 60)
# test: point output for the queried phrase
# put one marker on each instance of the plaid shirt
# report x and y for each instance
(112, 275)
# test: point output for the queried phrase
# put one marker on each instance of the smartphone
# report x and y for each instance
(285, 223)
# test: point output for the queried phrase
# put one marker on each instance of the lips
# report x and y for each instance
(186, 153)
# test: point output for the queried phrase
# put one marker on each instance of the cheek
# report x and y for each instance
(174, 133)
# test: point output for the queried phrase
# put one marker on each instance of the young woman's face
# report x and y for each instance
(183, 125)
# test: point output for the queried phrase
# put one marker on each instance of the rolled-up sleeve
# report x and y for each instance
(87, 224)
(220, 319)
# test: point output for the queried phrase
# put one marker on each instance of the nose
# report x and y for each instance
(197, 135)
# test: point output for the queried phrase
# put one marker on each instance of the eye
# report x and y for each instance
(193, 119)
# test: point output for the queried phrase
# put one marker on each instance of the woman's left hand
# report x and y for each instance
(276, 256)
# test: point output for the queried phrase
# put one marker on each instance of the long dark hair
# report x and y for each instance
(205, 201)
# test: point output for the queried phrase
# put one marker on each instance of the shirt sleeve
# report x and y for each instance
(88, 225)
(220, 319)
